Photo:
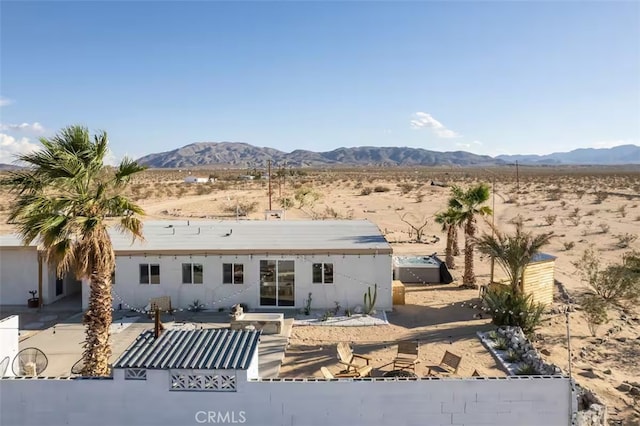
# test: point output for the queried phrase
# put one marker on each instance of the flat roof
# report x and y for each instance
(247, 236)
(209, 349)
(13, 240)
(253, 236)
(542, 257)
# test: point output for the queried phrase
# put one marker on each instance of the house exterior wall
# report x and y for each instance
(9, 342)
(353, 274)
(18, 274)
(469, 402)
(70, 285)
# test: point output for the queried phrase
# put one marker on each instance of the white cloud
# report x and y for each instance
(23, 127)
(5, 101)
(423, 120)
(10, 147)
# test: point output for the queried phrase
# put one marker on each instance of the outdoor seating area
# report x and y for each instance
(404, 364)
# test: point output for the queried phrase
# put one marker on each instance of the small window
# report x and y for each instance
(192, 273)
(322, 273)
(232, 273)
(149, 273)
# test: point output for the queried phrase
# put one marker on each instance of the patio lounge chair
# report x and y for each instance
(362, 372)
(347, 357)
(407, 356)
(449, 365)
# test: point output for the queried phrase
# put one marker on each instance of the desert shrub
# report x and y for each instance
(550, 219)
(604, 227)
(514, 309)
(595, 310)
(600, 197)
(622, 210)
(575, 212)
(241, 207)
(419, 197)
(306, 196)
(366, 190)
(568, 245)
(381, 188)
(615, 283)
(285, 202)
(625, 239)
(405, 188)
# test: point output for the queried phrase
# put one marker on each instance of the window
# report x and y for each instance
(323, 273)
(232, 273)
(191, 273)
(149, 273)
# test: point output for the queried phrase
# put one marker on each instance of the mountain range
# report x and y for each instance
(239, 154)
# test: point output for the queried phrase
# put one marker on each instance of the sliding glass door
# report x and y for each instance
(277, 283)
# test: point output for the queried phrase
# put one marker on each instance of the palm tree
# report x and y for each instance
(513, 252)
(449, 220)
(66, 197)
(469, 205)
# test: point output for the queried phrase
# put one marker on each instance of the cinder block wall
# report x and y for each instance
(503, 401)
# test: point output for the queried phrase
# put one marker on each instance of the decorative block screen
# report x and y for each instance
(202, 382)
(135, 374)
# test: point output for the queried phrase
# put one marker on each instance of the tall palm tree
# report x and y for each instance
(513, 252)
(449, 220)
(66, 197)
(469, 205)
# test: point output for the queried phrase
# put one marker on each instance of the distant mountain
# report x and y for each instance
(240, 154)
(623, 154)
(8, 167)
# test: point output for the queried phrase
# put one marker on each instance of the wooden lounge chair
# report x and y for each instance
(362, 372)
(407, 356)
(347, 358)
(449, 365)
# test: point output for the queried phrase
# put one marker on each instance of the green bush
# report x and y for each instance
(595, 309)
(514, 309)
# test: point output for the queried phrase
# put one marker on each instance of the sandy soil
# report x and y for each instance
(584, 207)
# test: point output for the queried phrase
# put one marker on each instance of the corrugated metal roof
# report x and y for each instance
(257, 236)
(210, 349)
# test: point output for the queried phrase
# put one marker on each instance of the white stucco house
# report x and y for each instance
(24, 268)
(263, 264)
(195, 179)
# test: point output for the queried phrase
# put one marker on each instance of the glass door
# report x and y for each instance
(277, 283)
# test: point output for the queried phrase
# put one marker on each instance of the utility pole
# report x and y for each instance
(517, 178)
(269, 177)
(493, 219)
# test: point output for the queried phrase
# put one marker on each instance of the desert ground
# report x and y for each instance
(584, 207)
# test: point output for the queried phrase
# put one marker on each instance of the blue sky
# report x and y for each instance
(485, 77)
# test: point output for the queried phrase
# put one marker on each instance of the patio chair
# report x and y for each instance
(407, 356)
(362, 372)
(162, 303)
(449, 365)
(347, 357)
